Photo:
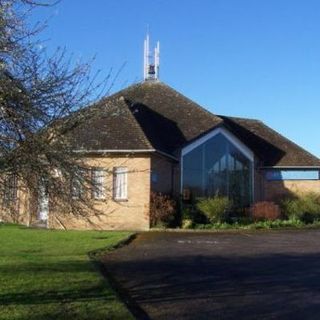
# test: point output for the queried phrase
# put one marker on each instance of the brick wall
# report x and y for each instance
(20, 210)
(106, 214)
(162, 174)
(275, 190)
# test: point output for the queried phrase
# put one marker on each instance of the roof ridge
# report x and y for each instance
(161, 83)
(192, 101)
(238, 118)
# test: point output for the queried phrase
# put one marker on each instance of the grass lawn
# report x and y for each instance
(46, 274)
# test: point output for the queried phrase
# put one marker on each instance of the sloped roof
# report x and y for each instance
(272, 148)
(153, 116)
(168, 118)
(108, 125)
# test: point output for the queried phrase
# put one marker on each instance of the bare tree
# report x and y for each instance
(40, 99)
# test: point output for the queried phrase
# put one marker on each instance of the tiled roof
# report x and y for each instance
(168, 118)
(272, 148)
(109, 125)
(151, 115)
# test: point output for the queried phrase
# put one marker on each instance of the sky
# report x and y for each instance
(250, 58)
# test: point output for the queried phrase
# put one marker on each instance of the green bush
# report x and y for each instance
(306, 208)
(216, 208)
(268, 224)
(191, 215)
(187, 219)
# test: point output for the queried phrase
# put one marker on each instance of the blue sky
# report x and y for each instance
(249, 58)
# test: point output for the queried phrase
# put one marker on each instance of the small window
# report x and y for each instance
(77, 184)
(98, 176)
(10, 190)
(120, 183)
(154, 177)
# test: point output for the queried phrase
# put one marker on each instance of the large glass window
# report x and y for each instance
(218, 167)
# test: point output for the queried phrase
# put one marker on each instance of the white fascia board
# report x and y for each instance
(115, 151)
(290, 167)
(228, 135)
(102, 151)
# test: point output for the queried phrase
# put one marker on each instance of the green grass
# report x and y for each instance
(46, 274)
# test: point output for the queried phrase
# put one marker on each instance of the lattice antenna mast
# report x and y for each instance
(157, 60)
(151, 69)
(146, 57)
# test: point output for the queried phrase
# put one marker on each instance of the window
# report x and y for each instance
(217, 166)
(77, 184)
(279, 175)
(120, 183)
(154, 177)
(98, 176)
(10, 190)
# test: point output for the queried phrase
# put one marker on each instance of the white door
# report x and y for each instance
(43, 202)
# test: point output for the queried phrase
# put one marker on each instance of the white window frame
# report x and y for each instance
(120, 183)
(98, 183)
(77, 181)
(228, 135)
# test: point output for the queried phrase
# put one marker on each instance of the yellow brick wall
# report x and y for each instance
(275, 190)
(265, 190)
(19, 211)
(106, 214)
(109, 214)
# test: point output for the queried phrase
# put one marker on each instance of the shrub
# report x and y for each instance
(186, 218)
(216, 208)
(186, 224)
(305, 208)
(267, 224)
(162, 209)
(265, 210)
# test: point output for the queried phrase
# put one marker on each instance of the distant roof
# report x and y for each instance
(153, 116)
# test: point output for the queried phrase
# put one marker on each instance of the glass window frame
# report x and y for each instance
(239, 148)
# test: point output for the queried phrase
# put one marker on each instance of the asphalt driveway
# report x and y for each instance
(247, 275)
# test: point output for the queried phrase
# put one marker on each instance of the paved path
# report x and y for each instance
(251, 275)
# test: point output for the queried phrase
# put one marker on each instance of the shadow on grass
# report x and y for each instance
(43, 297)
(42, 292)
(47, 267)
